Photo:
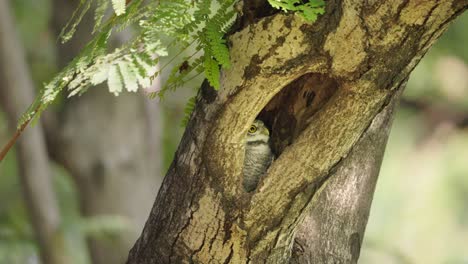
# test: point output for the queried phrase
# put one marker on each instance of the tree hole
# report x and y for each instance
(292, 109)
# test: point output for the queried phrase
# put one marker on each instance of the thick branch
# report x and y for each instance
(342, 205)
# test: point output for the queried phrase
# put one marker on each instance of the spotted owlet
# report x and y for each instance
(258, 155)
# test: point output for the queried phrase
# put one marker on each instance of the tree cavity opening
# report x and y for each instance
(291, 110)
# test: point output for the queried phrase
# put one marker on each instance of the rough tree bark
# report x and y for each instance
(319, 87)
(16, 93)
(341, 208)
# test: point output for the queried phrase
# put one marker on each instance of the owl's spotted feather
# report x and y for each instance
(258, 155)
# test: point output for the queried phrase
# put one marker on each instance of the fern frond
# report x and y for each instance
(114, 80)
(169, 19)
(188, 110)
(99, 13)
(70, 28)
(119, 7)
(212, 72)
(129, 76)
(285, 5)
(198, 25)
(217, 44)
(212, 36)
(309, 10)
(178, 74)
(200, 15)
(134, 12)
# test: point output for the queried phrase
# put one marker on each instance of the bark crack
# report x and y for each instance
(442, 26)
(212, 240)
(365, 67)
(400, 8)
(195, 252)
(429, 15)
(187, 223)
(231, 253)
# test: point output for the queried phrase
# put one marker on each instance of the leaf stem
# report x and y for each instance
(16, 135)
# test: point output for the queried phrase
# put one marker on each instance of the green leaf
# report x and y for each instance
(189, 107)
(309, 10)
(286, 5)
(100, 75)
(99, 13)
(218, 45)
(70, 28)
(189, 26)
(119, 7)
(212, 71)
(114, 80)
(129, 76)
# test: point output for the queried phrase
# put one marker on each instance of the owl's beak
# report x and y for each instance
(266, 132)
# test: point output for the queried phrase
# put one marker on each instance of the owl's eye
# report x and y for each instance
(252, 129)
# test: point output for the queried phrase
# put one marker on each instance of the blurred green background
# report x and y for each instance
(420, 209)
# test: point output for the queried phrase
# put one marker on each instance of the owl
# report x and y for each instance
(258, 155)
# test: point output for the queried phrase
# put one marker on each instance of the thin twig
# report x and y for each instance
(15, 136)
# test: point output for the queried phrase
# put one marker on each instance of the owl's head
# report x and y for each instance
(258, 133)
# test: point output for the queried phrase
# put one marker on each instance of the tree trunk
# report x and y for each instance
(107, 151)
(16, 93)
(111, 147)
(319, 86)
(341, 207)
